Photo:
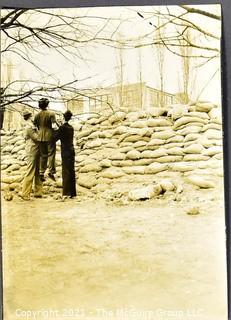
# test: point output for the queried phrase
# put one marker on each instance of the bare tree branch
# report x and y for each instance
(201, 12)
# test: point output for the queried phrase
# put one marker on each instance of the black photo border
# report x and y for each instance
(226, 89)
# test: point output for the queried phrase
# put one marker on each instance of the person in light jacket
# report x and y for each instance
(32, 156)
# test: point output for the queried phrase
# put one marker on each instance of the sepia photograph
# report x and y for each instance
(112, 177)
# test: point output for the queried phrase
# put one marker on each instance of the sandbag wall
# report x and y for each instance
(126, 146)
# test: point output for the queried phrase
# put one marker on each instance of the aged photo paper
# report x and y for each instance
(112, 176)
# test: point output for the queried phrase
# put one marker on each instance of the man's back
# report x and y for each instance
(43, 120)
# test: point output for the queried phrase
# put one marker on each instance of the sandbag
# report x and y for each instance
(154, 153)
(122, 163)
(191, 137)
(93, 144)
(164, 135)
(87, 181)
(105, 124)
(201, 182)
(111, 145)
(195, 157)
(140, 131)
(103, 153)
(217, 121)
(105, 163)
(142, 162)
(93, 121)
(81, 158)
(106, 133)
(19, 142)
(13, 167)
(213, 134)
(4, 166)
(133, 155)
(134, 169)
(135, 138)
(84, 133)
(218, 156)
(173, 145)
(93, 167)
(156, 112)
(177, 151)
(167, 159)
(154, 147)
(9, 161)
(167, 185)
(177, 111)
(126, 149)
(215, 113)
(176, 138)
(117, 156)
(214, 126)
(88, 161)
(13, 140)
(182, 167)
(201, 115)
(7, 149)
(118, 116)
(190, 124)
(139, 124)
(144, 192)
(139, 144)
(112, 173)
(158, 122)
(190, 129)
(143, 114)
(212, 151)
(205, 142)
(11, 179)
(204, 106)
(17, 149)
(120, 130)
(185, 120)
(126, 144)
(157, 129)
(94, 135)
(133, 116)
(194, 148)
(155, 142)
(155, 167)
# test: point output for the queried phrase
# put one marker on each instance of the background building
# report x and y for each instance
(130, 97)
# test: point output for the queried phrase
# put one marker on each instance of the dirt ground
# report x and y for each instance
(101, 260)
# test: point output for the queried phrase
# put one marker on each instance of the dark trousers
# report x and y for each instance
(1, 118)
(47, 156)
(68, 175)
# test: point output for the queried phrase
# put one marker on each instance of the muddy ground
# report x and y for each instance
(88, 259)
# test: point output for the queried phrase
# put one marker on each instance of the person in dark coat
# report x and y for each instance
(65, 134)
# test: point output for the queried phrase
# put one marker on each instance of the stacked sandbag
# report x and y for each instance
(12, 160)
(13, 163)
(133, 146)
(148, 143)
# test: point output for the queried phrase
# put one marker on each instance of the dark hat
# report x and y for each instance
(43, 103)
(67, 115)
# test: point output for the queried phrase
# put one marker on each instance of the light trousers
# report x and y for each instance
(32, 175)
